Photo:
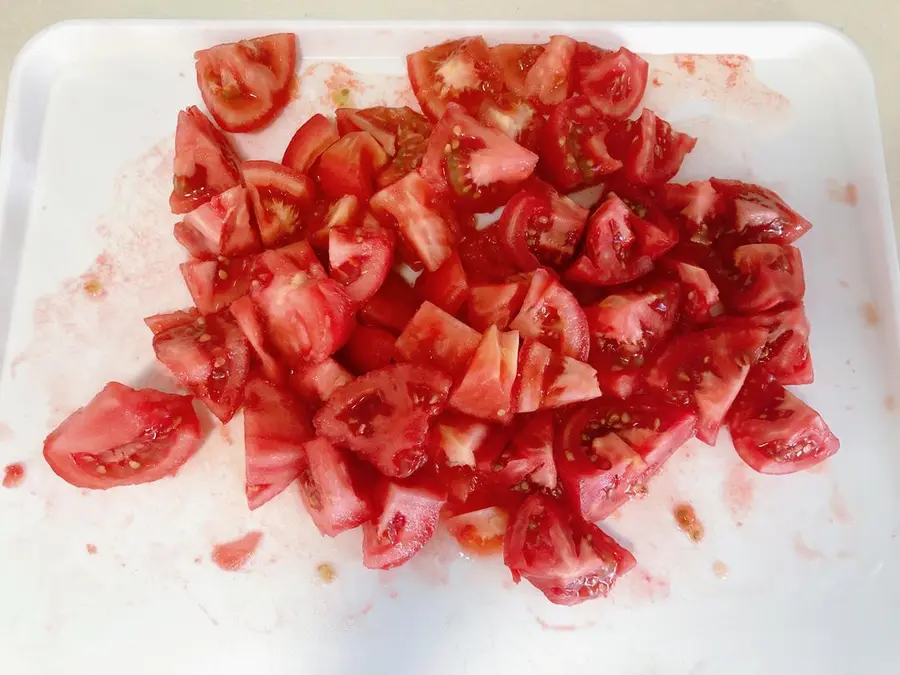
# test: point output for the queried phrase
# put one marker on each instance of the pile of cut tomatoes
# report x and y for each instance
(405, 365)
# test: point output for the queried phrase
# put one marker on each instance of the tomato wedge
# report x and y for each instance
(613, 82)
(480, 532)
(384, 416)
(448, 287)
(208, 355)
(775, 432)
(317, 382)
(346, 212)
(551, 314)
(314, 137)
(281, 199)
(651, 151)
(434, 338)
(700, 297)
(785, 356)
(756, 215)
(547, 82)
(458, 437)
(276, 427)
(249, 321)
(215, 284)
(205, 163)
(124, 436)
(565, 558)
(514, 117)
(220, 227)
(360, 258)
(369, 348)
(485, 390)
(328, 491)
(246, 84)
(495, 304)
(768, 275)
(696, 206)
(526, 461)
(392, 306)
(546, 380)
(349, 166)
(478, 166)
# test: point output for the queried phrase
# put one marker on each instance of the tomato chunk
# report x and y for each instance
(349, 166)
(392, 306)
(700, 297)
(459, 437)
(565, 558)
(480, 532)
(369, 348)
(448, 287)
(785, 356)
(756, 215)
(281, 199)
(495, 304)
(547, 82)
(768, 275)
(526, 461)
(483, 257)
(124, 436)
(216, 284)
(697, 207)
(313, 138)
(328, 491)
(546, 380)
(317, 382)
(346, 212)
(384, 416)
(651, 151)
(551, 314)
(220, 227)
(360, 258)
(486, 388)
(250, 323)
(613, 82)
(435, 338)
(775, 432)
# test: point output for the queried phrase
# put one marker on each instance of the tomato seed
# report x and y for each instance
(223, 274)
(134, 465)
(101, 468)
(206, 337)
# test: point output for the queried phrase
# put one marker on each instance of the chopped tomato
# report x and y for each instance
(706, 370)
(434, 338)
(250, 323)
(547, 380)
(349, 166)
(526, 461)
(327, 489)
(547, 82)
(205, 163)
(325, 216)
(483, 258)
(246, 84)
(317, 382)
(384, 416)
(313, 138)
(208, 355)
(458, 437)
(756, 215)
(651, 151)
(402, 132)
(480, 532)
(495, 304)
(360, 258)
(276, 427)
(514, 117)
(541, 227)
(220, 227)
(392, 306)
(775, 432)
(785, 356)
(485, 390)
(696, 207)
(215, 284)
(513, 62)
(567, 559)
(409, 516)
(613, 82)
(124, 436)
(551, 314)
(768, 275)
(700, 296)
(369, 348)
(626, 328)
(478, 166)
(608, 450)
(459, 71)
(281, 199)
(447, 288)
(573, 148)
(424, 224)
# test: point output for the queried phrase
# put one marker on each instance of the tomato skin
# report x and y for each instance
(281, 199)
(393, 305)
(483, 258)
(313, 138)
(613, 82)
(434, 338)
(349, 166)
(124, 436)
(756, 215)
(447, 287)
(650, 150)
(567, 559)
(220, 227)
(328, 491)
(369, 348)
(245, 85)
(774, 432)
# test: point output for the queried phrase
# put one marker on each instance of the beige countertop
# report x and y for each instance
(873, 24)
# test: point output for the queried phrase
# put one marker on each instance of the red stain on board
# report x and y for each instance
(687, 62)
(870, 314)
(648, 586)
(341, 85)
(821, 467)
(803, 550)
(720, 569)
(656, 82)
(890, 403)
(737, 64)
(361, 613)
(738, 492)
(233, 555)
(842, 193)
(13, 475)
(562, 628)
(838, 507)
(6, 432)
(91, 549)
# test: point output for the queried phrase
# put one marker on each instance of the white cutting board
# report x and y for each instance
(813, 585)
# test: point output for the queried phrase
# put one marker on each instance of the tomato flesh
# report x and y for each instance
(313, 138)
(360, 258)
(349, 166)
(486, 389)
(393, 305)
(551, 314)
(650, 150)
(316, 383)
(768, 275)
(220, 227)
(613, 82)
(756, 215)
(785, 356)
(328, 491)
(480, 532)
(548, 380)
(495, 304)
(281, 199)
(434, 338)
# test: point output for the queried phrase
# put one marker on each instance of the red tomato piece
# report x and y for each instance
(526, 462)
(250, 323)
(220, 227)
(459, 71)
(246, 84)
(205, 163)
(409, 516)
(609, 450)
(573, 146)
(384, 416)
(485, 390)
(495, 304)
(700, 297)
(402, 132)
(785, 356)
(513, 62)
(459, 437)
(541, 227)
(613, 82)
(328, 490)
(345, 212)
(317, 382)
(706, 370)
(447, 288)
(314, 137)
(124, 436)
(208, 355)
(360, 258)
(696, 206)
(768, 275)
(626, 328)
(547, 380)
(478, 166)
(276, 427)
(393, 306)
(349, 166)
(281, 199)
(434, 338)
(369, 348)
(651, 151)
(423, 223)
(547, 82)
(483, 258)
(565, 558)
(775, 432)
(514, 117)
(480, 532)
(756, 215)
(551, 314)
(215, 284)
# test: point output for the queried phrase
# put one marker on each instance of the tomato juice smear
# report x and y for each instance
(13, 475)
(233, 555)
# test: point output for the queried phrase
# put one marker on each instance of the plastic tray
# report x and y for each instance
(813, 582)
